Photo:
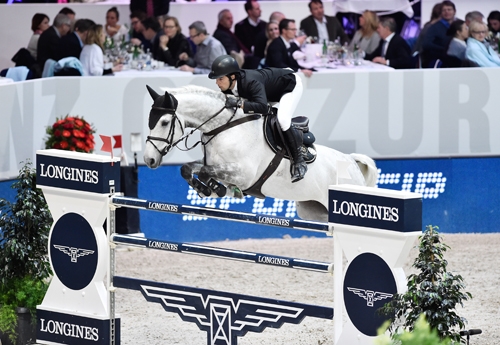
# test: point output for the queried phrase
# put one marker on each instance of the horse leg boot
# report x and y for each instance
(298, 167)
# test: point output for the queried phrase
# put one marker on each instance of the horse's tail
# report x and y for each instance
(367, 167)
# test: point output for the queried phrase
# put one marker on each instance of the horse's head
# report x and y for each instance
(165, 128)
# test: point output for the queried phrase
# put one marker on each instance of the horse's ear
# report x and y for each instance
(152, 92)
(169, 101)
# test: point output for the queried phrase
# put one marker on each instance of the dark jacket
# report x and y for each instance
(69, 46)
(398, 53)
(48, 46)
(176, 46)
(435, 42)
(261, 86)
(308, 25)
(160, 7)
(229, 40)
(247, 33)
(279, 56)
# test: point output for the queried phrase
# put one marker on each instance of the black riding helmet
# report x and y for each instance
(223, 65)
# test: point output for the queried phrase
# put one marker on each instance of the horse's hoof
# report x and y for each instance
(237, 193)
(217, 187)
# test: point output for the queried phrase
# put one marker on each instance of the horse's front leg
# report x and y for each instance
(188, 172)
(230, 174)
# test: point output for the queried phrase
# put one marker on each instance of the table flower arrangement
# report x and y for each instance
(70, 133)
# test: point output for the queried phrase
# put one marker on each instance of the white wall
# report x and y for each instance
(16, 19)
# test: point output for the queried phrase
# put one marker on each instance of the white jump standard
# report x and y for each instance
(373, 228)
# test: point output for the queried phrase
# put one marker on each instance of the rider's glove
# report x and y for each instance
(232, 102)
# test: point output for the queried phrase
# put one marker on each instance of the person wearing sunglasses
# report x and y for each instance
(478, 49)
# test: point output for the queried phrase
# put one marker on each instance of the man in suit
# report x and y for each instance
(248, 29)
(258, 87)
(261, 39)
(49, 41)
(280, 51)
(72, 43)
(325, 28)
(223, 33)
(393, 50)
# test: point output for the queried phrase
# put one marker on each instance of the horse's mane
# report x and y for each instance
(195, 89)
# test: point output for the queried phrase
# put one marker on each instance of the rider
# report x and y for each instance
(258, 87)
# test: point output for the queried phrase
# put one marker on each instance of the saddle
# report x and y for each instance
(274, 137)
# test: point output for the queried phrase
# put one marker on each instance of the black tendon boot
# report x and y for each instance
(294, 140)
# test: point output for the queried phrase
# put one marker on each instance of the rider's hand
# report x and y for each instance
(233, 102)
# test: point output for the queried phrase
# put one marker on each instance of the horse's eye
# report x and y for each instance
(164, 123)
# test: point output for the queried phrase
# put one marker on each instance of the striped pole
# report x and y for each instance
(220, 214)
(231, 254)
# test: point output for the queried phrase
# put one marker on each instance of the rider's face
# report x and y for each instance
(223, 83)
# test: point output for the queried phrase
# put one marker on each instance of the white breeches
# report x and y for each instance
(288, 103)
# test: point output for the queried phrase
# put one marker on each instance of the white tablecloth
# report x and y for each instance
(164, 72)
(331, 67)
(384, 6)
(4, 80)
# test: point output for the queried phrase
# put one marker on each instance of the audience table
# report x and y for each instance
(4, 80)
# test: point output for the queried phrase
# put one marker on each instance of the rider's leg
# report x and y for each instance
(288, 103)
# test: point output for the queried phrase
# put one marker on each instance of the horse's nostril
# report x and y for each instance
(151, 161)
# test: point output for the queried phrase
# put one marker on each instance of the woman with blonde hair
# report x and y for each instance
(367, 37)
(92, 56)
(478, 49)
(272, 32)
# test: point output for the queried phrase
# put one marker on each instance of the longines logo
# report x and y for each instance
(163, 245)
(361, 210)
(274, 261)
(69, 330)
(370, 296)
(273, 221)
(74, 253)
(162, 207)
(69, 174)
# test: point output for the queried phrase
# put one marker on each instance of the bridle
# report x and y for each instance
(169, 140)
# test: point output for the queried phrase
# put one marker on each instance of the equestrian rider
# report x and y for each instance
(258, 87)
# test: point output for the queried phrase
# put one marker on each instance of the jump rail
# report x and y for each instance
(220, 214)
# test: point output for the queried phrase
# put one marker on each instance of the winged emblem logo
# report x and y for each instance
(369, 295)
(224, 316)
(74, 253)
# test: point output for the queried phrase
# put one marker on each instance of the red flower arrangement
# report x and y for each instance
(70, 133)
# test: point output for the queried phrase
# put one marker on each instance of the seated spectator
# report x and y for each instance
(173, 43)
(366, 38)
(262, 40)
(494, 22)
(152, 32)
(436, 40)
(460, 32)
(325, 28)
(272, 32)
(393, 50)
(478, 49)
(474, 16)
(49, 41)
(72, 43)
(70, 13)
(208, 49)
(280, 51)
(92, 56)
(39, 23)
(118, 33)
(233, 45)
(249, 28)
(435, 17)
(138, 38)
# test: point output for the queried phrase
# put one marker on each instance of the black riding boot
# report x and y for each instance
(298, 167)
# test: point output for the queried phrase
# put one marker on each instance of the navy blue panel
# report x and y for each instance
(60, 328)
(76, 174)
(371, 211)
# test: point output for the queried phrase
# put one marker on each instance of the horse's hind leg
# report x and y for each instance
(229, 174)
(188, 171)
(312, 210)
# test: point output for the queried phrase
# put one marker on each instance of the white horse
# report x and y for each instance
(238, 156)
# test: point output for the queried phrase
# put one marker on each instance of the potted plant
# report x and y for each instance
(70, 133)
(433, 292)
(24, 268)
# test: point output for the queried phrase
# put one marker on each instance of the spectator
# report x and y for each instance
(138, 38)
(262, 40)
(281, 49)
(460, 32)
(436, 40)
(435, 17)
(393, 50)
(231, 43)
(478, 49)
(92, 56)
(70, 13)
(272, 32)
(152, 32)
(72, 43)
(366, 38)
(49, 41)
(173, 43)
(207, 50)
(494, 22)
(473, 16)
(249, 28)
(325, 28)
(115, 31)
(152, 8)
(39, 23)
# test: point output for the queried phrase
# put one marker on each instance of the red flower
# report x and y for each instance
(64, 145)
(56, 145)
(70, 133)
(66, 133)
(80, 145)
(57, 133)
(68, 125)
(79, 122)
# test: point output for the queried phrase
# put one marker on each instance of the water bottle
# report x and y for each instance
(148, 60)
(325, 48)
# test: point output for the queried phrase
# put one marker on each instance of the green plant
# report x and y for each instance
(433, 292)
(24, 268)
